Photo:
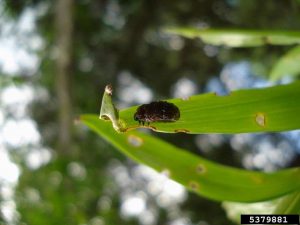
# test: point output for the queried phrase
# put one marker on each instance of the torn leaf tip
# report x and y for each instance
(109, 89)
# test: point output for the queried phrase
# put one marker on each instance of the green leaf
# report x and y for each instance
(235, 209)
(289, 204)
(239, 38)
(289, 64)
(108, 111)
(204, 177)
(255, 110)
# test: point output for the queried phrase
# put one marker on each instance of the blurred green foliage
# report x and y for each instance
(288, 64)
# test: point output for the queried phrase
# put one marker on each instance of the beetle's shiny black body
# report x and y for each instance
(160, 111)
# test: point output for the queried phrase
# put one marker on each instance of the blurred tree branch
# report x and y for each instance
(64, 29)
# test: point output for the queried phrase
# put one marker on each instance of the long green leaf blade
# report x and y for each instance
(289, 64)
(255, 110)
(239, 38)
(204, 177)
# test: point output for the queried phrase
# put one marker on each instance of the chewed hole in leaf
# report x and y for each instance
(181, 131)
(200, 169)
(166, 172)
(135, 141)
(194, 185)
(260, 119)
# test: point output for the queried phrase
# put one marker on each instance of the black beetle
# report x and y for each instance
(159, 111)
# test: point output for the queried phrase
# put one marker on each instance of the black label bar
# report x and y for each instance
(269, 219)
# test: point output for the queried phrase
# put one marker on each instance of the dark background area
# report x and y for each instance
(91, 43)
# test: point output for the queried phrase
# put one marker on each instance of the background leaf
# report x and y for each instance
(290, 204)
(239, 38)
(288, 64)
(257, 110)
(234, 209)
(204, 177)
